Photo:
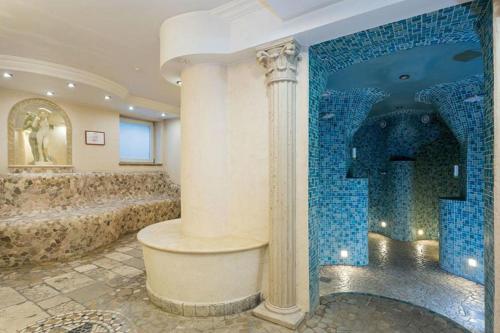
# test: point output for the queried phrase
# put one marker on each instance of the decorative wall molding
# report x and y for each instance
(71, 74)
(236, 9)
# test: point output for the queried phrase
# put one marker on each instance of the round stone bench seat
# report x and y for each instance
(195, 276)
(39, 231)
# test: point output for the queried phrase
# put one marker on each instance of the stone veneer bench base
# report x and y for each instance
(204, 310)
(196, 276)
(48, 217)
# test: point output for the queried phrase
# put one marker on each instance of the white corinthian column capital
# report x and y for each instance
(280, 61)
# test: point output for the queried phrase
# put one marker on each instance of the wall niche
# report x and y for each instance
(39, 136)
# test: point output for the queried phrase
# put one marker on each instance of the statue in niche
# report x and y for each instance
(39, 134)
(39, 127)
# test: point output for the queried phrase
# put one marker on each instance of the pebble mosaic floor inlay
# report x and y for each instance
(107, 288)
(409, 271)
(82, 322)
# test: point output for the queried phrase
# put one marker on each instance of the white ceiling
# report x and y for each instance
(116, 39)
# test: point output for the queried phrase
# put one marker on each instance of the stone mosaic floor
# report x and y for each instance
(105, 292)
(409, 271)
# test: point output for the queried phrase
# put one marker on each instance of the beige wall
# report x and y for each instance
(83, 117)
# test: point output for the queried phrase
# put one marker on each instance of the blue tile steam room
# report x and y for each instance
(400, 138)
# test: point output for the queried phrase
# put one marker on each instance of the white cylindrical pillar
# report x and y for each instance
(205, 151)
(280, 61)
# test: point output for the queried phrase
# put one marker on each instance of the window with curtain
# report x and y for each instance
(136, 141)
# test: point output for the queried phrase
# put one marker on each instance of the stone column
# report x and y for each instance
(205, 151)
(280, 61)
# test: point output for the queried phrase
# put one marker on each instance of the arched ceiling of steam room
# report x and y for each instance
(425, 66)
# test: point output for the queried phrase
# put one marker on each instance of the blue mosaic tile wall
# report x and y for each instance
(400, 199)
(317, 83)
(343, 212)
(450, 25)
(434, 180)
(485, 28)
(461, 221)
(406, 204)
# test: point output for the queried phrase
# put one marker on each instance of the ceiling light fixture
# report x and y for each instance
(131, 108)
(8, 75)
(50, 93)
(107, 97)
(404, 77)
(71, 85)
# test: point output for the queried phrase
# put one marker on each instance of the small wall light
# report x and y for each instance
(179, 82)
(472, 262)
(131, 108)
(354, 153)
(7, 75)
(455, 171)
(50, 93)
(344, 254)
(163, 114)
(107, 97)
(71, 85)
(420, 232)
(383, 224)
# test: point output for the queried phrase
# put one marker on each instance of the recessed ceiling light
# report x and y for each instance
(404, 77)
(50, 93)
(8, 75)
(107, 97)
(179, 82)
(131, 108)
(71, 85)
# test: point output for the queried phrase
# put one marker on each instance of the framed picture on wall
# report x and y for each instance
(95, 138)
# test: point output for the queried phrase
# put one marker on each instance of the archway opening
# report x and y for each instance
(396, 162)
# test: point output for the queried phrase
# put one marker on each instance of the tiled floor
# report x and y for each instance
(112, 279)
(409, 271)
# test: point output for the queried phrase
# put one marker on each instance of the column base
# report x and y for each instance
(287, 317)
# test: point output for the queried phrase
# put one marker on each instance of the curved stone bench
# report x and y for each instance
(200, 277)
(56, 216)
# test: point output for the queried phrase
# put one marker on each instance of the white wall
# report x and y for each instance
(83, 117)
(172, 148)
